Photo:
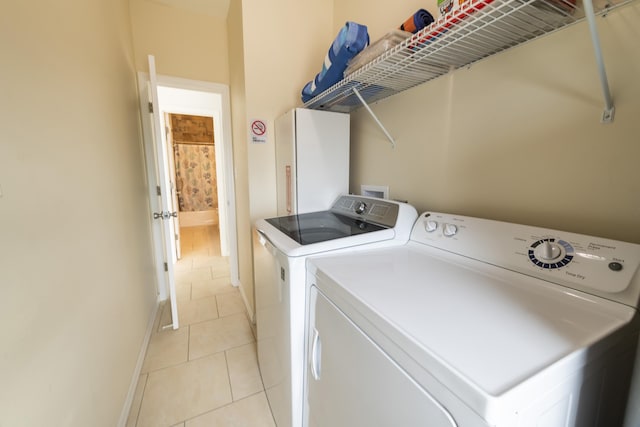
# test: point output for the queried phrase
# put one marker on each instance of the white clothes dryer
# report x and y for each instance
(473, 323)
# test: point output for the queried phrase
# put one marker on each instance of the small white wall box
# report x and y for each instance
(379, 191)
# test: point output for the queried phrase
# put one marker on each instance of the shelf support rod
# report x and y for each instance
(609, 109)
(389, 137)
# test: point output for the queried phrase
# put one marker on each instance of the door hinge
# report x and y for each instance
(158, 191)
(151, 107)
(166, 267)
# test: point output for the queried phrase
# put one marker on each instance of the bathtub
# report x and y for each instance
(193, 219)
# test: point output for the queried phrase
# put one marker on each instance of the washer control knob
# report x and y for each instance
(449, 230)
(360, 208)
(431, 226)
(548, 251)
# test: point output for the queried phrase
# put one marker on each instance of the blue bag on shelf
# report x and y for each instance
(351, 39)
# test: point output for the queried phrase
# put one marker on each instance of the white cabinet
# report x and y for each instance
(312, 160)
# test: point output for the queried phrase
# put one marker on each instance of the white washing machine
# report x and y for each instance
(281, 248)
(473, 323)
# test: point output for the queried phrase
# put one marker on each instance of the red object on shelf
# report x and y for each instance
(445, 22)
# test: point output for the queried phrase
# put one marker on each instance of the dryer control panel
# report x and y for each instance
(595, 265)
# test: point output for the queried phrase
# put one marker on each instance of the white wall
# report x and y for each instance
(187, 101)
(75, 267)
(185, 43)
(516, 137)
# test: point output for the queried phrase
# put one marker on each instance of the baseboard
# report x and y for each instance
(136, 373)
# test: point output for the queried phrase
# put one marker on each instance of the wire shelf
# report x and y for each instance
(480, 29)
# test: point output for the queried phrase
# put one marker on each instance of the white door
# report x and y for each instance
(162, 206)
(174, 190)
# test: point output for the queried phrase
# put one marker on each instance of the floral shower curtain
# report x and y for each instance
(195, 177)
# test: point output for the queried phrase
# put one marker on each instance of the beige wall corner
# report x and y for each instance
(274, 51)
(238, 108)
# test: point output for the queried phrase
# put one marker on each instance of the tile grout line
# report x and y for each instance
(189, 343)
(226, 362)
(204, 357)
(227, 405)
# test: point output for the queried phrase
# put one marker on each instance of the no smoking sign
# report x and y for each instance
(258, 131)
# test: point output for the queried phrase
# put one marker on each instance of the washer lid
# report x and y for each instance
(291, 248)
(316, 227)
(352, 221)
(480, 329)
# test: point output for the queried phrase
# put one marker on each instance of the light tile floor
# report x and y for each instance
(206, 372)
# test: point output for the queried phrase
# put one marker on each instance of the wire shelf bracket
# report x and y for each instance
(609, 109)
(373, 115)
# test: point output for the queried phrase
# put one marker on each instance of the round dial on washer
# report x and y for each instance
(550, 253)
(430, 226)
(360, 207)
(449, 230)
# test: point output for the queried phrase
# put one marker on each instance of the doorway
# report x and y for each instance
(182, 96)
(193, 160)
